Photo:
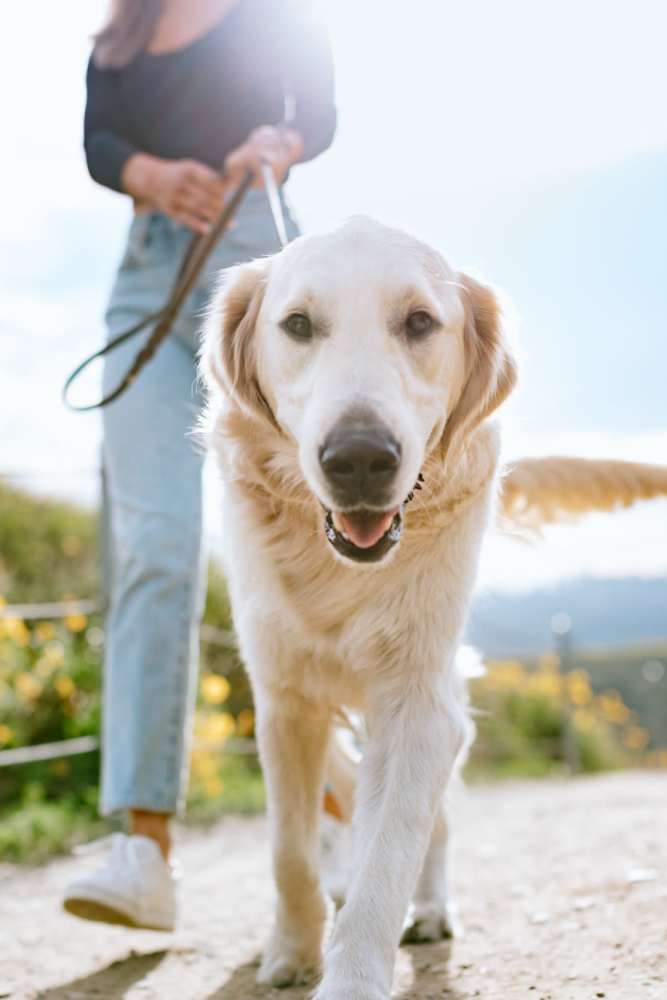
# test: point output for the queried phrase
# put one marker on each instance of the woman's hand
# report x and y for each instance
(187, 191)
(279, 147)
(191, 192)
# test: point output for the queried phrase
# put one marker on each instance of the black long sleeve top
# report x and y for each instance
(266, 62)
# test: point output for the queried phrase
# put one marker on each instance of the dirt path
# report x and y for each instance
(562, 889)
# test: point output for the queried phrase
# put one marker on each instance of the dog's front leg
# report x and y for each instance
(293, 736)
(413, 744)
(433, 914)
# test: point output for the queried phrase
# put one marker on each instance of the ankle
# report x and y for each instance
(153, 825)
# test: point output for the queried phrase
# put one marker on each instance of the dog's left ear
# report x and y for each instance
(490, 369)
(228, 354)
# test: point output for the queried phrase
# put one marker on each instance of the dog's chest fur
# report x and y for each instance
(342, 621)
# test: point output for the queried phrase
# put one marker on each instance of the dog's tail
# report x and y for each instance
(537, 491)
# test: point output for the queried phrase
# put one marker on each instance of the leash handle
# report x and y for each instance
(196, 255)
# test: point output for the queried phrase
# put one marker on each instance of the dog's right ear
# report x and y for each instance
(229, 354)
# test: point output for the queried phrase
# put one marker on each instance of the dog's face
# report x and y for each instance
(368, 351)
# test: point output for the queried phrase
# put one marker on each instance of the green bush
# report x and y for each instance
(48, 550)
(50, 685)
(534, 720)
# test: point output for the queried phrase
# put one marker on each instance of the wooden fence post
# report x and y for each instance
(561, 631)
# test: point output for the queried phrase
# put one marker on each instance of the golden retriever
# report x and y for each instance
(352, 379)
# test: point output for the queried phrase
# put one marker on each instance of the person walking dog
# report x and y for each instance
(183, 97)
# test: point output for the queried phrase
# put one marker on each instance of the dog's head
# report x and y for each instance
(370, 353)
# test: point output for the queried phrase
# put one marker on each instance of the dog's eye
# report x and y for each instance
(419, 323)
(298, 326)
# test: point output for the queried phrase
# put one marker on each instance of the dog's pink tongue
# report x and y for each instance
(365, 528)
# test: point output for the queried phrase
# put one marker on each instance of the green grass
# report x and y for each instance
(35, 829)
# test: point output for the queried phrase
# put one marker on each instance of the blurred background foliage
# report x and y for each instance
(533, 718)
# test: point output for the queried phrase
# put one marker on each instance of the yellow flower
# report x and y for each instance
(64, 686)
(635, 737)
(579, 687)
(6, 734)
(27, 686)
(203, 764)
(245, 722)
(76, 623)
(612, 707)
(218, 728)
(583, 720)
(15, 629)
(505, 674)
(214, 689)
(45, 631)
(546, 684)
(54, 652)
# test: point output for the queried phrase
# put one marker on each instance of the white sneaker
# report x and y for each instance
(135, 888)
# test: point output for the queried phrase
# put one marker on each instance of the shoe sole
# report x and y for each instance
(88, 909)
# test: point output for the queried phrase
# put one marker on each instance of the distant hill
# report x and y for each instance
(603, 611)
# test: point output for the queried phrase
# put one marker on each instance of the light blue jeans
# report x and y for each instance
(153, 474)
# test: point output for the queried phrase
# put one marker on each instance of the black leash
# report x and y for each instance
(196, 255)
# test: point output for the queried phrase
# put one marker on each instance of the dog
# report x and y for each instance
(352, 382)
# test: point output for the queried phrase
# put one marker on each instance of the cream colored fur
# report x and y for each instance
(319, 633)
(537, 491)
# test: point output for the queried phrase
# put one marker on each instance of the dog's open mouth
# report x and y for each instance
(367, 535)
(364, 535)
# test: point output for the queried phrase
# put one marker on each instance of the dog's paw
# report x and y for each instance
(352, 992)
(284, 968)
(430, 923)
(344, 992)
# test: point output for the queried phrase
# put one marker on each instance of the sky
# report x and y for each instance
(527, 141)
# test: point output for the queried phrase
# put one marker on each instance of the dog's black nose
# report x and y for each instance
(360, 459)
